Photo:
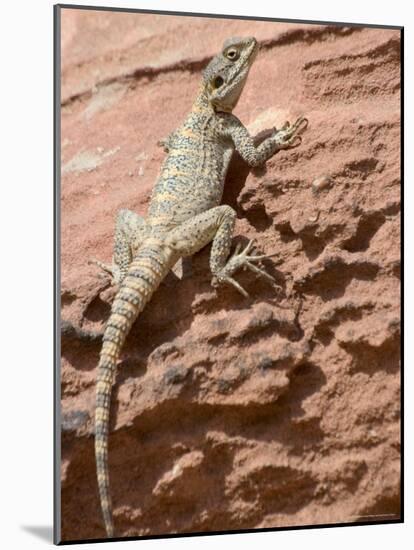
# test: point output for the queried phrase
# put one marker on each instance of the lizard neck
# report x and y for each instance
(202, 102)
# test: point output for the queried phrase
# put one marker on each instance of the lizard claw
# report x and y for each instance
(226, 279)
(113, 270)
(243, 260)
(301, 124)
(295, 141)
(289, 135)
(105, 267)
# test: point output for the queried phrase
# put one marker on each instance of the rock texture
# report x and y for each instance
(232, 413)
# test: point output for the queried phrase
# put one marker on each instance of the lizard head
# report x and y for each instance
(226, 74)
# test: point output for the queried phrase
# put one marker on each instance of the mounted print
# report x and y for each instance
(228, 294)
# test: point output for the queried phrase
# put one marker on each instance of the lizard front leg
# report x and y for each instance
(130, 232)
(287, 137)
(217, 225)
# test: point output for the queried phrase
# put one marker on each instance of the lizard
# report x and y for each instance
(184, 215)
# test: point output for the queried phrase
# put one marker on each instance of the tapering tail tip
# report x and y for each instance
(103, 484)
(103, 396)
(107, 516)
(109, 526)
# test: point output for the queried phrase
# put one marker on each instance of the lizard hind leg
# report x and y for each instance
(216, 225)
(130, 232)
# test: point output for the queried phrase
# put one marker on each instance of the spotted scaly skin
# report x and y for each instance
(184, 215)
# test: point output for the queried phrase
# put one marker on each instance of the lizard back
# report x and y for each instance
(192, 176)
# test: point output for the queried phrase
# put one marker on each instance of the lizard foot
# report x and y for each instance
(113, 270)
(289, 135)
(242, 260)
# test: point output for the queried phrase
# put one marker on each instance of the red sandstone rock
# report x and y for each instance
(233, 413)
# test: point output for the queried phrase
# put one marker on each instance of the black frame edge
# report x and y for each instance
(56, 273)
(228, 16)
(234, 532)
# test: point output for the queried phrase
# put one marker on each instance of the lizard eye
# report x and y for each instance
(218, 81)
(232, 54)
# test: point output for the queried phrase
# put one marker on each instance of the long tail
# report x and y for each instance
(144, 275)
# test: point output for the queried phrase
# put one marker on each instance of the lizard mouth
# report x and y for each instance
(254, 50)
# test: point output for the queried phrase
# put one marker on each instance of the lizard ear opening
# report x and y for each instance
(218, 81)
